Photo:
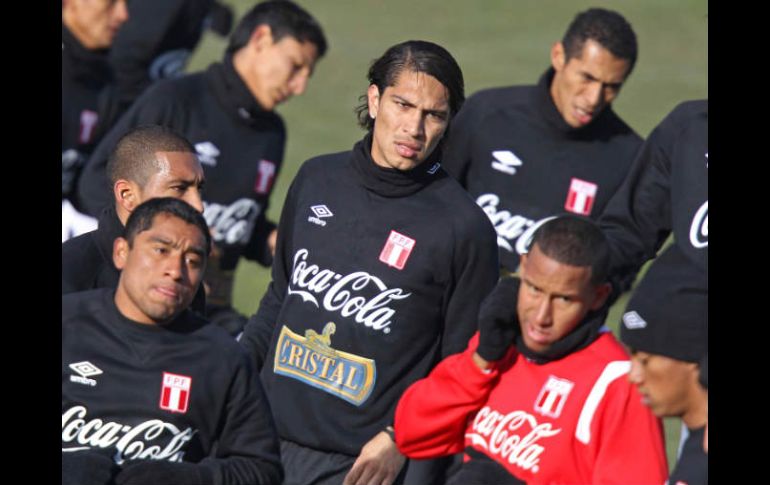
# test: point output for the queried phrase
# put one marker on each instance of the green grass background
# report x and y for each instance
(496, 43)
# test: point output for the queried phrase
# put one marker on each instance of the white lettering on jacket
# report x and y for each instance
(231, 224)
(509, 227)
(699, 229)
(152, 439)
(337, 292)
(494, 432)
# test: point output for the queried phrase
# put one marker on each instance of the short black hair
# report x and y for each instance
(134, 155)
(142, 218)
(416, 56)
(284, 18)
(606, 27)
(575, 241)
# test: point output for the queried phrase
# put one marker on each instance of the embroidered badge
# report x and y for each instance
(175, 392)
(552, 396)
(581, 196)
(312, 360)
(397, 250)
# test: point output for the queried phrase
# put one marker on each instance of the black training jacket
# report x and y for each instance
(522, 163)
(378, 275)
(88, 96)
(182, 392)
(239, 145)
(155, 43)
(666, 191)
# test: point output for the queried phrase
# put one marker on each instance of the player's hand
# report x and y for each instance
(378, 463)
(498, 320)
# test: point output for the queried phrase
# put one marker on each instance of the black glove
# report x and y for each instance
(91, 467)
(498, 320)
(157, 472)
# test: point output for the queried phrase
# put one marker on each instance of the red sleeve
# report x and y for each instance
(432, 415)
(631, 447)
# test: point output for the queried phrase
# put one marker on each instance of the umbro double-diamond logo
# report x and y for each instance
(320, 212)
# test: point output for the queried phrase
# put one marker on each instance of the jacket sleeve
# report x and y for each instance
(475, 272)
(257, 248)
(631, 449)
(258, 331)
(247, 451)
(637, 220)
(94, 188)
(138, 42)
(432, 414)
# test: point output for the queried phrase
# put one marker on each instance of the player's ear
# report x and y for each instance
(120, 252)
(558, 57)
(373, 98)
(127, 194)
(261, 37)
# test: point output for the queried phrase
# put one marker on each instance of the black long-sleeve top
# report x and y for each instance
(666, 191)
(522, 163)
(239, 145)
(182, 392)
(378, 275)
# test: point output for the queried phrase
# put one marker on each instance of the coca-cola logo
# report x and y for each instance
(513, 437)
(699, 229)
(509, 227)
(153, 439)
(350, 295)
(231, 224)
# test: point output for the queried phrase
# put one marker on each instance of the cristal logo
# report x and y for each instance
(338, 293)
(152, 439)
(494, 432)
(231, 224)
(699, 229)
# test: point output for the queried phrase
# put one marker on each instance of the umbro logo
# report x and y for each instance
(321, 212)
(632, 320)
(207, 153)
(505, 161)
(86, 370)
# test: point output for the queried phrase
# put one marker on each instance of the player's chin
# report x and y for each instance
(166, 311)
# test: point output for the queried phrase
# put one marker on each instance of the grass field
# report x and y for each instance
(496, 42)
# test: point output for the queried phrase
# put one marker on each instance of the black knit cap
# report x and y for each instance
(668, 312)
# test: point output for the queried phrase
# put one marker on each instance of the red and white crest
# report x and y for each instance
(552, 396)
(581, 196)
(175, 392)
(265, 176)
(397, 250)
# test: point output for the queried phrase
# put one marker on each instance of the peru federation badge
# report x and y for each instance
(175, 392)
(397, 250)
(552, 396)
(581, 196)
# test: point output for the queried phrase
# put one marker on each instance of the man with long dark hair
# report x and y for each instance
(381, 263)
